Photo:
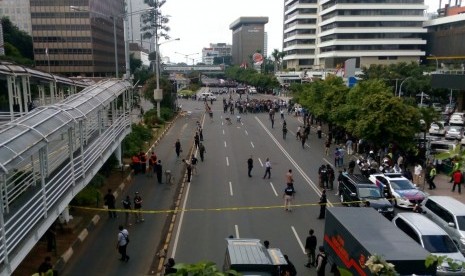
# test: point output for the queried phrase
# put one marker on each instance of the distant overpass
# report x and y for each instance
(207, 69)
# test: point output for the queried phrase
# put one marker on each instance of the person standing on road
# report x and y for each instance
(322, 203)
(303, 139)
(177, 147)
(127, 206)
(249, 166)
(201, 151)
(122, 243)
(318, 130)
(159, 171)
(284, 130)
(267, 168)
(189, 169)
(196, 139)
(138, 207)
(290, 178)
(457, 176)
(310, 248)
(194, 162)
(331, 176)
(417, 170)
(152, 164)
(297, 133)
(327, 146)
(110, 202)
(288, 197)
(321, 261)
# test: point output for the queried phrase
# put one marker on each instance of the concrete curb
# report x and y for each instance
(65, 257)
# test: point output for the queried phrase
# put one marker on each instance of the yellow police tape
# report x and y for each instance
(216, 209)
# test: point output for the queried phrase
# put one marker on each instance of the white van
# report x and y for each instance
(206, 95)
(432, 238)
(449, 214)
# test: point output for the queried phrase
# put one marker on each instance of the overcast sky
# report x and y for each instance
(201, 22)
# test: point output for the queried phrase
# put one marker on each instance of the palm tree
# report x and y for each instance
(276, 56)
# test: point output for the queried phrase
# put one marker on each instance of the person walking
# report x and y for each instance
(127, 206)
(284, 130)
(152, 164)
(201, 151)
(310, 248)
(189, 169)
(318, 130)
(196, 139)
(143, 162)
(110, 201)
(432, 175)
(138, 207)
(417, 170)
(297, 133)
(194, 162)
(303, 139)
(321, 260)
(249, 166)
(159, 171)
(122, 243)
(177, 147)
(290, 179)
(288, 197)
(327, 146)
(267, 168)
(457, 176)
(322, 203)
(331, 176)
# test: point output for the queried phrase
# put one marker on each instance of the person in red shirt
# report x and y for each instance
(457, 177)
(135, 163)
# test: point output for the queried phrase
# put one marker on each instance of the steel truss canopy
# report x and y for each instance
(21, 138)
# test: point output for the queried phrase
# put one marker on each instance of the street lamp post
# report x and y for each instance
(400, 89)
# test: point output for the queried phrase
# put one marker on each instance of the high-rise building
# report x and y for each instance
(136, 24)
(326, 33)
(248, 38)
(215, 50)
(18, 12)
(78, 40)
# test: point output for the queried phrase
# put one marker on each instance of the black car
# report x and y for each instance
(358, 191)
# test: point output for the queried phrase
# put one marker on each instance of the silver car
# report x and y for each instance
(437, 129)
(454, 132)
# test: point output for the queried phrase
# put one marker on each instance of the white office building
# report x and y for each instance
(19, 13)
(321, 34)
(215, 50)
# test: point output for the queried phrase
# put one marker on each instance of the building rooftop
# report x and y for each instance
(248, 20)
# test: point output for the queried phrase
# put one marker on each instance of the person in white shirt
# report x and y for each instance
(418, 169)
(122, 243)
(267, 168)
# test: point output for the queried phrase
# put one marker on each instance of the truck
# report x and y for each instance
(250, 257)
(352, 235)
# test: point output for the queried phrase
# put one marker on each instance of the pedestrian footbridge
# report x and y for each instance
(49, 155)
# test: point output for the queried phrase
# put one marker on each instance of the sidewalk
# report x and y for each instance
(444, 188)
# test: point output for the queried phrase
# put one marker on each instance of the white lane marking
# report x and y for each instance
(252, 144)
(298, 239)
(242, 123)
(246, 133)
(225, 144)
(181, 218)
(227, 161)
(230, 189)
(274, 190)
(237, 231)
(324, 159)
(222, 123)
(223, 131)
(298, 168)
(260, 160)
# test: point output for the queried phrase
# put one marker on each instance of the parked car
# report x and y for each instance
(357, 190)
(404, 193)
(437, 107)
(456, 119)
(454, 132)
(450, 108)
(439, 146)
(449, 214)
(432, 238)
(437, 128)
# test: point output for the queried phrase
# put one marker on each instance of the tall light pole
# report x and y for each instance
(158, 93)
(400, 89)
(437, 62)
(187, 56)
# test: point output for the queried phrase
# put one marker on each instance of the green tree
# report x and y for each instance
(17, 44)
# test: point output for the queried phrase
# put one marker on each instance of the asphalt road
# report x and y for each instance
(221, 200)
